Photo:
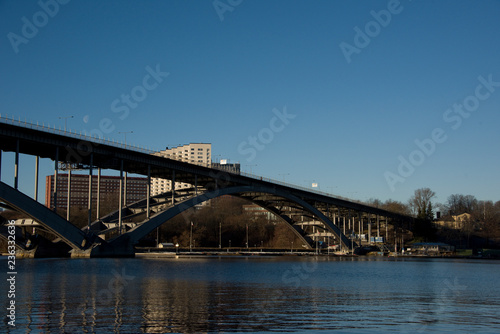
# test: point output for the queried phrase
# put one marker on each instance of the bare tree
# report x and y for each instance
(395, 206)
(421, 206)
(458, 204)
(421, 203)
(490, 216)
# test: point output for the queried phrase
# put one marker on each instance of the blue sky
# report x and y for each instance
(356, 102)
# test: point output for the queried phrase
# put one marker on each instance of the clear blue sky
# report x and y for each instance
(356, 101)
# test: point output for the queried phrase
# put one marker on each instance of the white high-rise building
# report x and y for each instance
(194, 153)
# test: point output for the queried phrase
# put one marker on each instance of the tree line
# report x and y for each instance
(482, 219)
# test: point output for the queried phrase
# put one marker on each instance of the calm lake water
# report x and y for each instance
(255, 294)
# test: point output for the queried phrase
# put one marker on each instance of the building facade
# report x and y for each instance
(136, 189)
(194, 153)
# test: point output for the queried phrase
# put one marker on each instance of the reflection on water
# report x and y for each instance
(302, 294)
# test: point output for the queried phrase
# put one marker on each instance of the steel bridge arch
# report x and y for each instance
(69, 233)
(133, 236)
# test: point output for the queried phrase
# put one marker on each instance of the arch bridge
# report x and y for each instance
(312, 215)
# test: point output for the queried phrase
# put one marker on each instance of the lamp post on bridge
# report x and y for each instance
(125, 134)
(65, 120)
(285, 174)
(251, 167)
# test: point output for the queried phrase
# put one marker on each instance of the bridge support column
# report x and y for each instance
(125, 189)
(68, 202)
(90, 189)
(37, 162)
(173, 187)
(369, 223)
(98, 208)
(378, 226)
(360, 227)
(120, 200)
(16, 166)
(343, 224)
(0, 165)
(56, 167)
(148, 191)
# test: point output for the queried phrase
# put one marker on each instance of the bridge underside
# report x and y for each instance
(311, 215)
(294, 211)
(48, 220)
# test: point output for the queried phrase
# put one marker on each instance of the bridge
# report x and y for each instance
(311, 215)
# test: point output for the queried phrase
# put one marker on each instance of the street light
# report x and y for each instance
(284, 176)
(125, 134)
(251, 167)
(65, 120)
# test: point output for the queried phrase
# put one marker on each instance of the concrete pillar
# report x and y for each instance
(0, 165)
(16, 166)
(173, 187)
(349, 218)
(56, 160)
(378, 226)
(37, 163)
(125, 190)
(90, 189)
(369, 222)
(148, 191)
(120, 200)
(98, 209)
(68, 201)
(360, 226)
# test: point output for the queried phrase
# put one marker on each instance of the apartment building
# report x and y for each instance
(194, 153)
(136, 188)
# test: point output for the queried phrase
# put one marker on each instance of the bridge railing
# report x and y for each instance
(295, 186)
(73, 134)
(98, 140)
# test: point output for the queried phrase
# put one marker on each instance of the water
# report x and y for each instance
(255, 294)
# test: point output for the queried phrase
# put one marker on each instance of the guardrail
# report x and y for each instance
(98, 140)
(69, 133)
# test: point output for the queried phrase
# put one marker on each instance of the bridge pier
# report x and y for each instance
(122, 247)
